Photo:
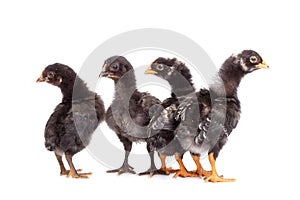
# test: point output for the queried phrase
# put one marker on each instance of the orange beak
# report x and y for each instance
(40, 79)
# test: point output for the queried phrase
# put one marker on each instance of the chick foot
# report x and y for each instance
(184, 173)
(166, 170)
(75, 174)
(151, 171)
(215, 178)
(161, 171)
(202, 173)
(125, 168)
(68, 173)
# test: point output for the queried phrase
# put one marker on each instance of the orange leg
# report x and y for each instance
(73, 172)
(63, 170)
(182, 172)
(200, 171)
(164, 168)
(214, 177)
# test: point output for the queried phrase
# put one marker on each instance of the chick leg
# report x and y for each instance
(214, 177)
(63, 170)
(163, 170)
(200, 171)
(152, 168)
(152, 165)
(125, 168)
(73, 172)
(182, 172)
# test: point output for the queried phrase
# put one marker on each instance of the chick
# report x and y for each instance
(71, 125)
(219, 117)
(130, 112)
(164, 124)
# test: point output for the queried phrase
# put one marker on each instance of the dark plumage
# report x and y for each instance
(129, 113)
(208, 133)
(71, 125)
(163, 125)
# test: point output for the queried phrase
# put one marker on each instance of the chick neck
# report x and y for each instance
(228, 80)
(74, 89)
(125, 86)
(181, 85)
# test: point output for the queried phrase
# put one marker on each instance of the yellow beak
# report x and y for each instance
(262, 65)
(150, 71)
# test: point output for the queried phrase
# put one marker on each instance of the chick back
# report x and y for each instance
(71, 125)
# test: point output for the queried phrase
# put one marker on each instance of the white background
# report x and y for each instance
(262, 152)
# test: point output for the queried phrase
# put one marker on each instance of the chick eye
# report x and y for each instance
(159, 67)
(253, 59)
(115, 67)
(50, 75)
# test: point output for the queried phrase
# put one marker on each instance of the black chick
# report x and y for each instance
(221, 116)
(163, 125)
(130, 112)
(71, 125)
